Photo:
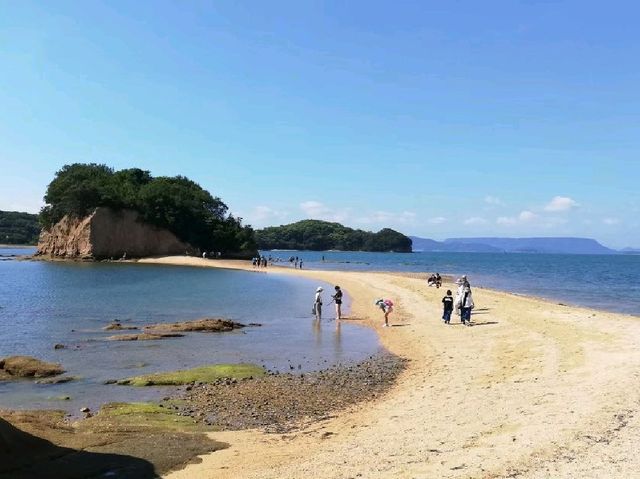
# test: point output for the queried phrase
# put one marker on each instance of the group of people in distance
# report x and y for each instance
(462, 303)
(435, 280)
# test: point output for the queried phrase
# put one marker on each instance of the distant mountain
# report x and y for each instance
(513, 245)
(429, 245)
(630, 250)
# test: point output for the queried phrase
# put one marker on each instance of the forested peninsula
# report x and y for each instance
(134, 199)
(19, 228)
(318, 235)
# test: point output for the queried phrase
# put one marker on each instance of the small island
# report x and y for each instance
(315, 235)
(94, 212)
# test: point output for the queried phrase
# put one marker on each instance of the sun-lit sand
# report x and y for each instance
(534, 389)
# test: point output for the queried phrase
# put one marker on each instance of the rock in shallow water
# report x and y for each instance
(27, 366)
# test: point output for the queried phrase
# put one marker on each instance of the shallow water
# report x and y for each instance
(44, 303)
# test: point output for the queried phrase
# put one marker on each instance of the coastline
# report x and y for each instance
(538, 386)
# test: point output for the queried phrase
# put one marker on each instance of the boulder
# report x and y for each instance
(27, 366)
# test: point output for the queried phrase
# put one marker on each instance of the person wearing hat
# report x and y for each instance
(317, 303)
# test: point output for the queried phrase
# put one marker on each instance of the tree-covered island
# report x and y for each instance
(18, 228)
(177, 204)
(318, 235)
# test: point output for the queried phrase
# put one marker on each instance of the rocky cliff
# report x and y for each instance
(108, 234)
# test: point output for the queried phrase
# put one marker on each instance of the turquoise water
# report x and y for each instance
(608, 282)
(44, 303)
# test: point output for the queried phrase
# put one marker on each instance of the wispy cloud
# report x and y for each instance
(438, 220)
(561, 204)
(525, 216)
(493, 200)
(261, 213)
(388, 218)
(319, 211)
(476, 220)
(611, 221)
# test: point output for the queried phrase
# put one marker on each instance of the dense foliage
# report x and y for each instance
(321, 235)
(175, 203)
(18, 228)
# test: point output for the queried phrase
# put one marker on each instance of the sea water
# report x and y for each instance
(607, 282)
(45, 303)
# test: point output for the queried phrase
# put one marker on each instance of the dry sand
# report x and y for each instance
(533, 390)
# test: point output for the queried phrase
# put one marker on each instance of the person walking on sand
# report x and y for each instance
(447, 303)
(300, 263)
(386, 305)
(317, 303)
(464, 300)
(337, 298)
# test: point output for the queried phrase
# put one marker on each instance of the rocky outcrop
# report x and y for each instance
(27, 367)
(107, 233)
(205, 325)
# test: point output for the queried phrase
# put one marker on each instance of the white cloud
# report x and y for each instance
(438, 220)
(611, 221)
(525, 216)
(506, 220)
(475, 221)
(493, 200)
(261, 213)
(320, 211)
(388, 218)
(561, 203)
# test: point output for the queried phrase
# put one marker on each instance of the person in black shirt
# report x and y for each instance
(447, 302)
(338, 300)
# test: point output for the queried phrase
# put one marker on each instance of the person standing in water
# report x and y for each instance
(337, 298)
(317, 303)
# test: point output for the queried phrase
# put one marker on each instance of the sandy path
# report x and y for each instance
(535, 389)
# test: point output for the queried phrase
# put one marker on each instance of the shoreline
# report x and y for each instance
(520, 396)
(533, 390)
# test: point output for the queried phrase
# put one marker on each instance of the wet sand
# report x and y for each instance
(534, 389)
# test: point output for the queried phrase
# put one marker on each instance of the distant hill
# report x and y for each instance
(19, 228)
(513, 245)
(425, 244)
(318, 235)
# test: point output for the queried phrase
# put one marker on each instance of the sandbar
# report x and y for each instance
(534, 389)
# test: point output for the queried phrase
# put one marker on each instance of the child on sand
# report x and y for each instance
(386, 305)
(447, 302)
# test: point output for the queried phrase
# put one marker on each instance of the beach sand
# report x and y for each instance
(533, 390)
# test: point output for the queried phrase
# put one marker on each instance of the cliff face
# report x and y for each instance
(108, 234)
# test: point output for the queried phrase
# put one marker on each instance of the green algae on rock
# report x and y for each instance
(202, 374)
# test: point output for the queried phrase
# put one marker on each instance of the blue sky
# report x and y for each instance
(439, 119)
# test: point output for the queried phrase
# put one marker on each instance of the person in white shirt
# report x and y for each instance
(317, 303)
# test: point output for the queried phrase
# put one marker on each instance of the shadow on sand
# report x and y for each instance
(24, 456)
